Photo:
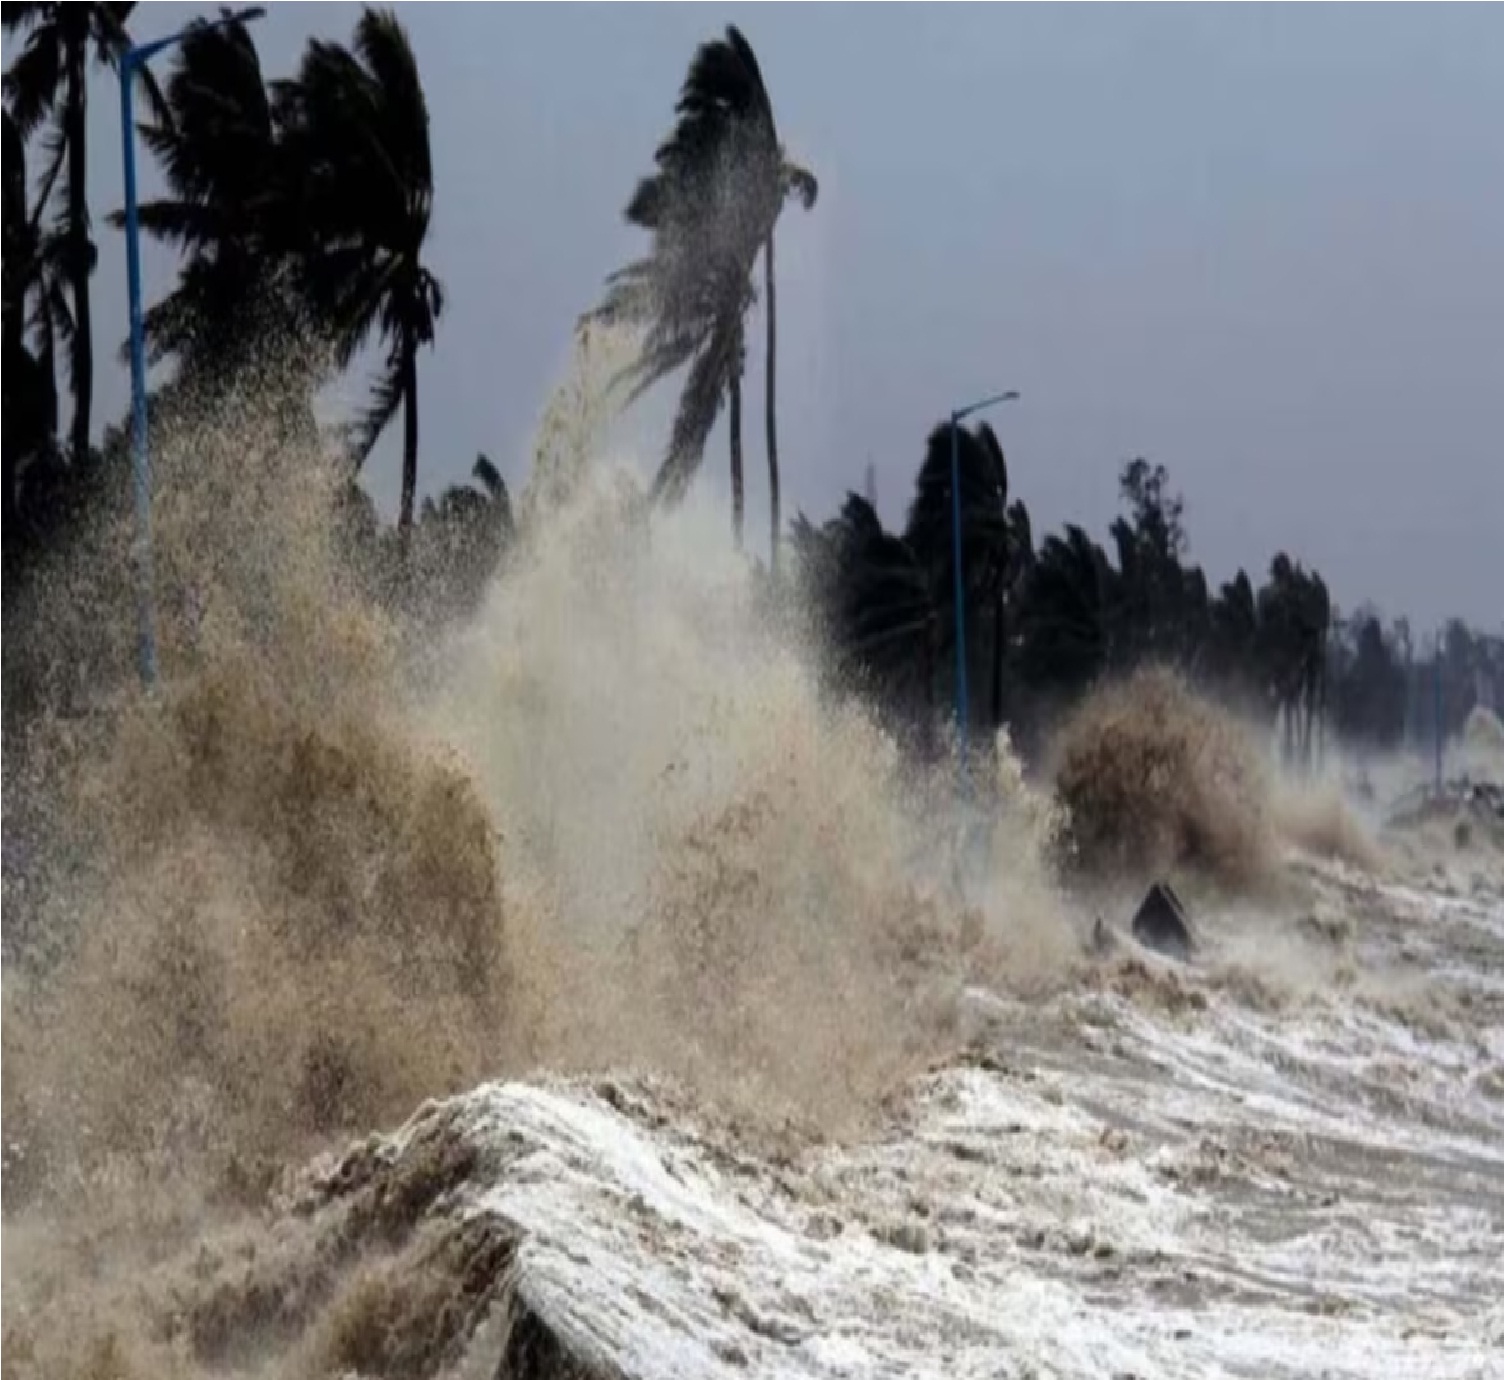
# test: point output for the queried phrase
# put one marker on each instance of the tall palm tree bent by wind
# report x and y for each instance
(356, 124)
(48, 81)
(711, 204)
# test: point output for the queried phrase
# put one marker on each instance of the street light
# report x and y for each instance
(133, 60)
(963, 711)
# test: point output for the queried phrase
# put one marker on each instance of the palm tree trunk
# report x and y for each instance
(770, 384)
(999, 643)
(79, 251)
(738, 498)
(409, 437)
(1310, 719)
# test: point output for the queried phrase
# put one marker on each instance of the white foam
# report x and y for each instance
(1033, 1247)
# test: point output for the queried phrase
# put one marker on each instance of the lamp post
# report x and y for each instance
(133, 61)
(963, 712)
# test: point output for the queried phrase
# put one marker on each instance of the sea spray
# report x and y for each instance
(339, 862)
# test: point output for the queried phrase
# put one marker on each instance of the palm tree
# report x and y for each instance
(711, 204)
(874, 603)
(1315, 613)
(355, 126)
(30, 403)
(460, 539)
(1069, 614)
(1294, 618)
(48, 81)
(801, 182)
(1012, 583)
(483, 510)
(985, 530)
(226, 209)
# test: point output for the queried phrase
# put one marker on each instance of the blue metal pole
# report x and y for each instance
(140, 458)
(963, 713)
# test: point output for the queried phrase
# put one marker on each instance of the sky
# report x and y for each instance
(1263, 246)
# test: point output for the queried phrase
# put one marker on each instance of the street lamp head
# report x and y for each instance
(142, 53)
(1011, 395)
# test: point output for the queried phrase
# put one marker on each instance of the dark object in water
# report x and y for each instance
(1103, 940)
(1161, 923)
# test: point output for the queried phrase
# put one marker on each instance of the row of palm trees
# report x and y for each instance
(47, 95)
(1049, 621)
(299, 209)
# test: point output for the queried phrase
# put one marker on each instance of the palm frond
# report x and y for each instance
(376, 416)
(34, 79)
(55, 151)
(799, 181)
(500, 506)
(21, 14)
(384, 47)
(699, 405)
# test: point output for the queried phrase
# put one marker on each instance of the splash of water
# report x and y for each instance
(340, 864)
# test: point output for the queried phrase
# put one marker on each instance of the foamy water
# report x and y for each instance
(1103, 1187)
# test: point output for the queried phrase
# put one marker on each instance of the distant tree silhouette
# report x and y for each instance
(1069, 615)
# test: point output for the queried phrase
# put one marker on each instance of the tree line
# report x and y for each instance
(1046, 620)
(298, 208)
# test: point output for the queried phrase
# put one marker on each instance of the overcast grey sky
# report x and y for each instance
(1264, 246)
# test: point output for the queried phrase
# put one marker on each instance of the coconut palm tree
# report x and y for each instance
(226, 209)
(985, 530)
(30, 404)
(460, 539)
(30, 391)
(355, 127)
(873, 601)
(719, 184)
(1012, 582)
(1295, 614)
(1069, 614)
(48, 82)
